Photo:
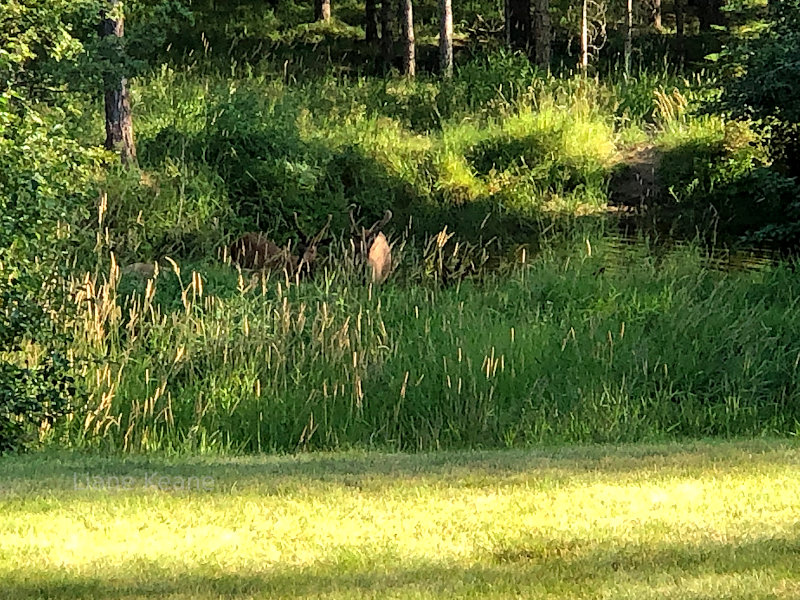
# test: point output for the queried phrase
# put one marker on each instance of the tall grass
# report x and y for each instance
(575, 344)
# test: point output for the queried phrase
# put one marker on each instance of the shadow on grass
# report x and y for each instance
(569, 569)
(269, 473)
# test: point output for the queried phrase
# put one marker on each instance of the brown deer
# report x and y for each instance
(254, 250)
(305, 263)
(143, 270)
(372, 244)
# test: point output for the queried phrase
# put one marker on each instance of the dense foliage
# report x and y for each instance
(764, 86)
(769, 85)
(45, 186)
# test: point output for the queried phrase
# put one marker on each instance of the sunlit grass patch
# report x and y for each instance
(684, 521)
(456, 180)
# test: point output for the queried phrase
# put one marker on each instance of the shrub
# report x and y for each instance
(721, 175)
(45, 187)
(764, 81)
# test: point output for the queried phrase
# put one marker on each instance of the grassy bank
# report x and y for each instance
(588, 341)
(229, 151)
(532, 324)
(690, 521)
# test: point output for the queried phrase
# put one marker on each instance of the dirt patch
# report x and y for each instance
(635, 183)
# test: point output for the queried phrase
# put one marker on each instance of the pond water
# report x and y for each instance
(631, 237)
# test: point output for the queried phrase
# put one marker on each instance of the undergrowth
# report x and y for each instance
(226, 151)
(503, 324)
(570, 345)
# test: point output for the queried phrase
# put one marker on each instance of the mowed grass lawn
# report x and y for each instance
(696, 520)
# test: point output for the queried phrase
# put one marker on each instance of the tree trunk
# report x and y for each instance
(709, 13)
(703, 14)
(584, 36)
(409, 49)
(542, 33)
(518, 23)
(655, 14)
(628, 36)
(388, 30)
(119, 119)
(680, 26)
(322, 10)
(446, 38)
(371, 20)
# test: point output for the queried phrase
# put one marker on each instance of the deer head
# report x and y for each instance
(310, 245)
(363, 237)
(256, 251)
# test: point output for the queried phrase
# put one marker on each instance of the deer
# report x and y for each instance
(254, 250)
(372, 244)
(140, 269)
(310, 247)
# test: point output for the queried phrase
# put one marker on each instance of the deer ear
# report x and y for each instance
(381, 223)
(300, 233)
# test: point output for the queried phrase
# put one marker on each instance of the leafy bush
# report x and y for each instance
(41, 391)
(721, 175)
(764, 81)
(769, 68)
(45, 188)
(44, 185)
